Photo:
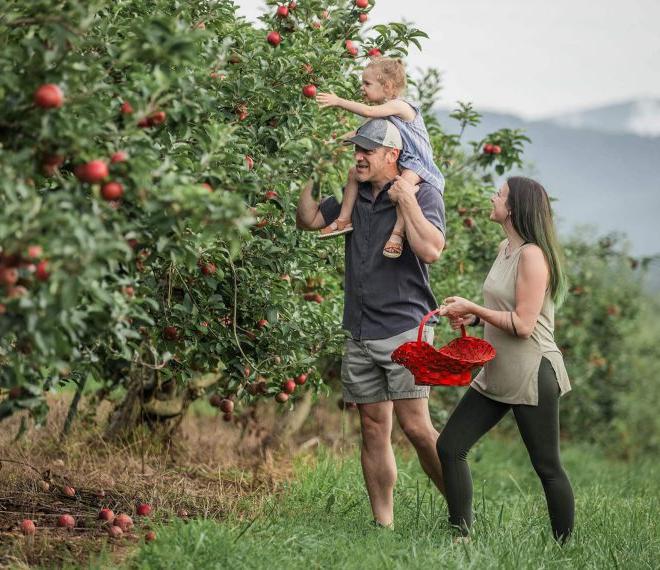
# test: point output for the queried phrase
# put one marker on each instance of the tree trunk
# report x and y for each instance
(156, 405)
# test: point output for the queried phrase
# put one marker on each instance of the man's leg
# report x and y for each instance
(378, 465)
(415, 421)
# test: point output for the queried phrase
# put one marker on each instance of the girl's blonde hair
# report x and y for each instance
(390, 73)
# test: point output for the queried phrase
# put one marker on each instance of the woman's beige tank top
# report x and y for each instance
(512, 376)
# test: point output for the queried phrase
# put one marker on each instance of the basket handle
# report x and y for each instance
(427, 316)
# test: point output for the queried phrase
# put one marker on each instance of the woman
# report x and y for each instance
(528, 373)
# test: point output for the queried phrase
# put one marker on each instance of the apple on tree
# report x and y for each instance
(309, 91)
(274, 38)
(49, 96)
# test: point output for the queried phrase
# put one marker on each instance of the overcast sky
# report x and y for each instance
(534, 58)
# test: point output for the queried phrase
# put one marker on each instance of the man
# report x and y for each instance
(384, 303)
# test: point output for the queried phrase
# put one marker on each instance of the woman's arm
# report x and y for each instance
(395, 107)
(531, 284)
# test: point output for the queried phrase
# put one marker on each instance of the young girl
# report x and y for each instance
(383, 82)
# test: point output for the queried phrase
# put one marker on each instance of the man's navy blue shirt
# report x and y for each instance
(383, 297)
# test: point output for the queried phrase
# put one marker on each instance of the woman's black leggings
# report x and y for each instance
(539, 426)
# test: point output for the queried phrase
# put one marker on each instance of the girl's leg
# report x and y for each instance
(539, 427)
(473, 417)
(394, 246)
(343, 224)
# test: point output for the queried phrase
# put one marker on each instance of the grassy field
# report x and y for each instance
(321, 520)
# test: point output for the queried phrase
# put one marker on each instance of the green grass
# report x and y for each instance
(321, 520)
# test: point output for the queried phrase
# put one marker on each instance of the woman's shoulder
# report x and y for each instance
(532, 259)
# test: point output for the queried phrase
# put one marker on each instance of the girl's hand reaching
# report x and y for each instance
(327, 100)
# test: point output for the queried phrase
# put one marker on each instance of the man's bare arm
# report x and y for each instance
(308, 214)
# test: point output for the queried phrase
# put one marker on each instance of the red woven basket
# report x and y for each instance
(449, 365)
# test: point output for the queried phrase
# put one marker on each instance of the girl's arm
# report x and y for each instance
(395, 107)
(531, 285)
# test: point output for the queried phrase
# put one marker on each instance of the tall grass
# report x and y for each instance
(321, 520)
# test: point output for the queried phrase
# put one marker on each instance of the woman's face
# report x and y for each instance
(500, 211)
(372, 89)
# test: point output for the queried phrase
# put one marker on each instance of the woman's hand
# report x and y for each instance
(457, 322)
(327, 100)
(457, 307)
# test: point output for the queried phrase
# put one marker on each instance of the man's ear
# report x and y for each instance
(393, 155)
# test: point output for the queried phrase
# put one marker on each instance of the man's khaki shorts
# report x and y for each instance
(369, 375)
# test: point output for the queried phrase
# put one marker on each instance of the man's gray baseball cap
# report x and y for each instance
(375, 133)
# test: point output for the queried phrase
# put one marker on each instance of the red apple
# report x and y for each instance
(208, 268)
(282, 11)
(126, 108)
(171, 333)
(274, 38)
(249, 161)
(157, 118)
(106, 515)
(69, 491)
(143, 510)
(362, 4)
(316, 25)
(51, 163)
(325, 14)
(309, 91)
(227, 417)
(115, 531)
(49, 96)
(28, 528)
(496, 149)
(352, 50)
(363, 18)
(66, 521)
(226, 406)
(262, 324)
(301, 379)
(469, 223)
(150, 536)
(119, 156)
(289, 386)
(215, 400)
(8, 276)
(92, 172)
(293, 5)
(374, 52)
(112, 191)
(271, 195)
(123, 521)
(281, 397)
(488, 148)
(143, 123)
(207, 186)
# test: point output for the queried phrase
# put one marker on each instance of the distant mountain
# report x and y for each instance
(640, 117)
(605, 179)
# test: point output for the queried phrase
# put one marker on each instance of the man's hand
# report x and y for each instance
(401, 187)
(327, 100)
